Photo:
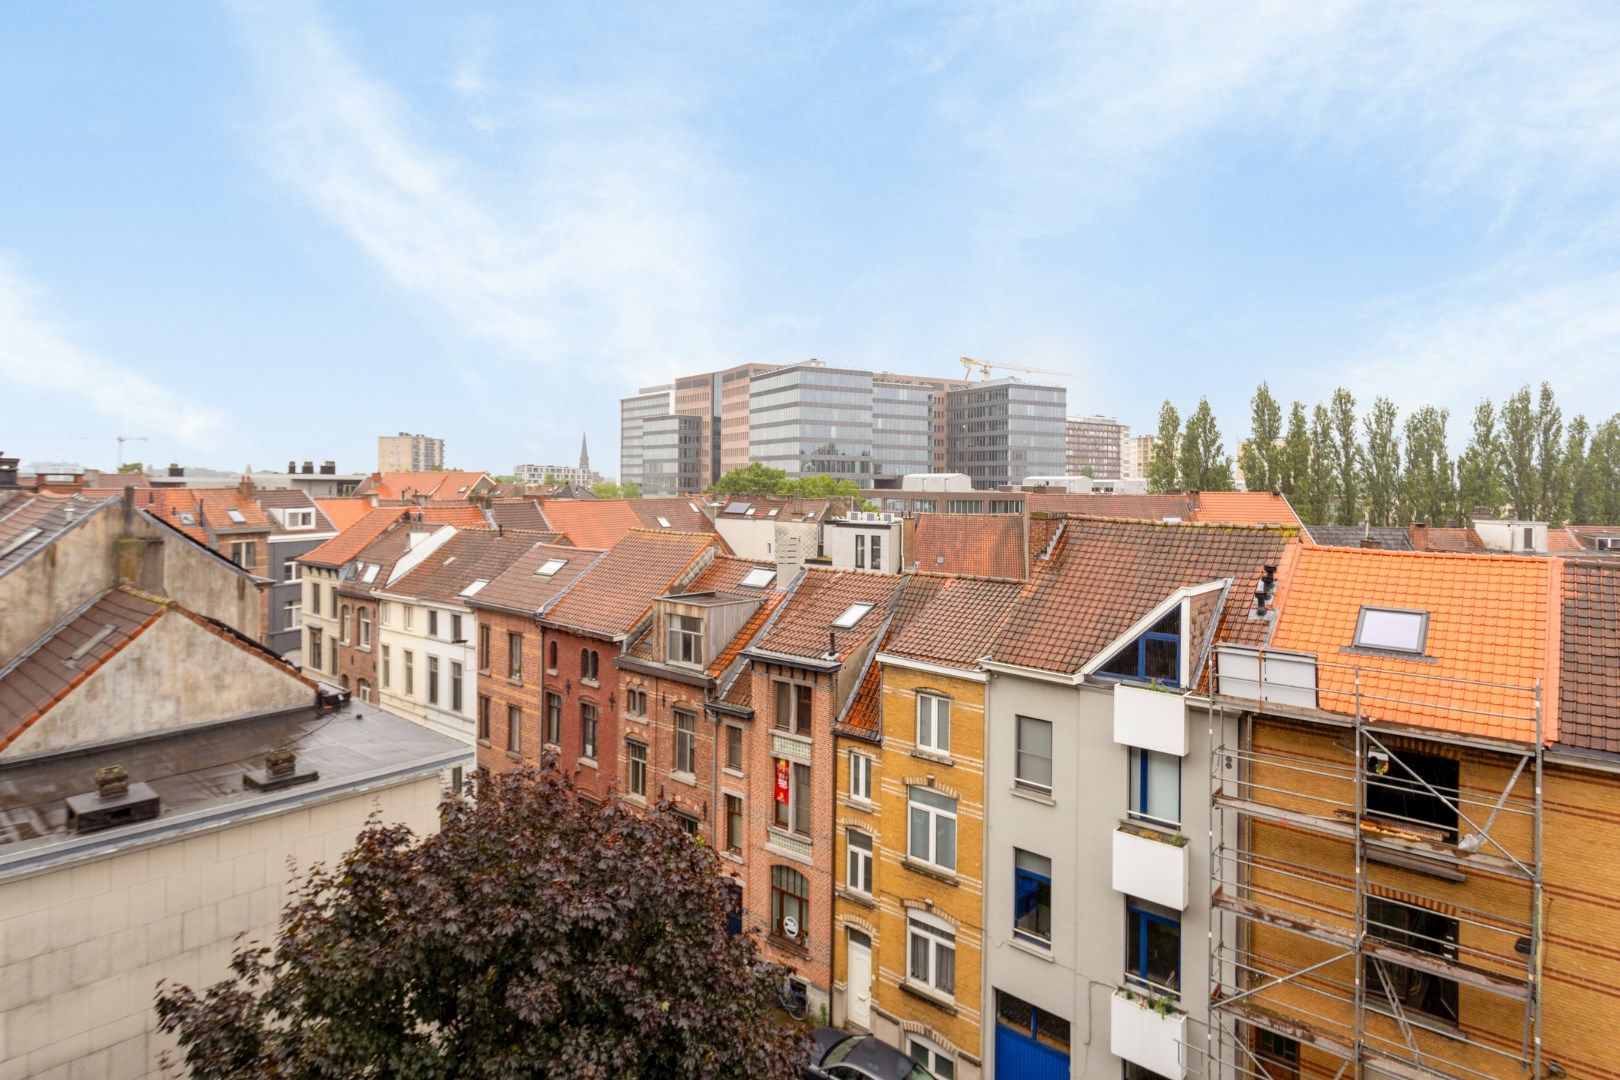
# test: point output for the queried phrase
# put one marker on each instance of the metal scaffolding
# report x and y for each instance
(1323, 954)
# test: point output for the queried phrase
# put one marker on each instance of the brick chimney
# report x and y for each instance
(245, 486)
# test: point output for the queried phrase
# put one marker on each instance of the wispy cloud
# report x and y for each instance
(38, 354)
(602, 251)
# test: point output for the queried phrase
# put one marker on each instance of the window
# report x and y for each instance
(384, 615)
(1278, 1053)
(1152, 950)
(638, 767)
(587, 728)
(314, 598)
(433, 623)
(433, 680)
(363, 689)
(334, 648)
(474, 588)
(289, 571)
(932, 952)
(860, 777)
(1393, 791)
(1392, 629)
(554, 719)
(549, 568)
(236, 517)
(858, 874)
(793, 707)
(689, 824)
(244, 553)
(790, 903)
(933, 828)
(860, 551)
(343, 624)
(1155, 787)
(685, 742)
(1044, 1027)
(734, 747)
(758, 578)
(551, 657)
(292, 615)
(734, 823)
(685, 640)
(315, 652)
(363, 615)
(1032, 897)
(483, 649)
(931, 1057)
(793, 813)
(410, 674)
(386, 668)
(514, 656)
(1033, 767)
(371, 574)
(455, 686)
(409, 613)
(455, 627)
(1419, 930)
(934, 723)
(877, 552)
(483, 718)
(852, 615)
(1153, 657)
(588, 661)
(300, 519)
(635, 702)
(514, 728)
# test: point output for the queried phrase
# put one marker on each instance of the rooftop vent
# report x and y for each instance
(1263, 592)
(280, 771)
(115, 802)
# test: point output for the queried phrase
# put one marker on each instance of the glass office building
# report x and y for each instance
(999, 432)
(673, 454)
(634, 411)
(813, 420)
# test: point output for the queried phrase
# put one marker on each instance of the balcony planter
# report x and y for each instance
(1150, 718)
(1145, 1036)
(1151, 864)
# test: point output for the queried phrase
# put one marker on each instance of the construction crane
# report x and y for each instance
(983, 368)
(122, 439)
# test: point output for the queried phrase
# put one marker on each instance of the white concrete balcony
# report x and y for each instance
(1286, 678)
(1151, 864)
(1150, 718)
(1146, 1036)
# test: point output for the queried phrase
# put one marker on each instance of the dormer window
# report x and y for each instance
(852, 615)
(300, 519)
(550, 567)
(1154, 657)
(685, 640)
(1392, 630)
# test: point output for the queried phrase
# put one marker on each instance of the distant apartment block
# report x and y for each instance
(1002, 431)
(1095, 446)
(1135, 451)
(409, 453)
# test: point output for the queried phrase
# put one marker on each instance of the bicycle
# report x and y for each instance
(793, 999)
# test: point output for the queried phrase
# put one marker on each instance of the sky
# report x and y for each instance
(254, 232)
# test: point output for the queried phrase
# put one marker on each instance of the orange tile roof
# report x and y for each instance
(616, 593)
(1588, 705)
(347, 544)
(519, 589)
(344, 512)
(863, 715)
(1428, 538)
(208, 509)
(1243, 508)
(950, 619)
(683, 515)
(469, 556)
(984, 545)
(1492, 628)
(804, 627)
(590, 523)
(462, 517)
(420, 485)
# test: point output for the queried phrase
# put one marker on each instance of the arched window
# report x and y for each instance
(790, 903)
(343, 681)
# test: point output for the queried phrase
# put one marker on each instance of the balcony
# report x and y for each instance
(1284, 678)
(1151, 864)
(1150, 718)
(1146, 1036)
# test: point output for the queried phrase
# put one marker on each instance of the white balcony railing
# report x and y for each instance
(1150, 718)
(1151, 865)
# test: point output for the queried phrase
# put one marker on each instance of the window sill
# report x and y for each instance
(786, 734)
(1024, 945)
(513, 754)
(935, 756)
(930, 995)
(518, 681)
(551, 671)
(787, 944)
(729, 771)
(855, 896)
(938, 873)
(1034, 795)
(587, 763)
(634, 799)
(634, 719)
(855, 802)
(485, 742)
(684, 778)
(595, 684)
(733, 856)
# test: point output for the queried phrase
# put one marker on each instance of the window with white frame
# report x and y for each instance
(292, 615)
(931, 1056)
(300, 519)
(1032, 897)
(734, 748)
(289, 571)
(433, 623)
(385, 613)
(685, 742)
(932, 828)
(932, 953)
(385, 669)
(365, 628)
(860, 551)
(860, 776)
(685, 642)
(858, 874)
(877, 552)
(934, 723)
(314, 598)
(638, 767)
(244, 553)
(587, 730)
(1392, 629)
(1032, 768)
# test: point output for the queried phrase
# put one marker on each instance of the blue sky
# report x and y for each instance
(262, 231)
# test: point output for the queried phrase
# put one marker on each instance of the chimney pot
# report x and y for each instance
(328, 468)
(281, 761)
(175, 469)
(112, 781)
(309, 466)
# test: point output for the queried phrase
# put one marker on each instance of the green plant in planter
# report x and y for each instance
(1163, 1006)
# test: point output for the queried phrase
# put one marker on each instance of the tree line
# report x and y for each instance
(1337, 465)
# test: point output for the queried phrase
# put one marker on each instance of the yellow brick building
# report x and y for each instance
(909, 909)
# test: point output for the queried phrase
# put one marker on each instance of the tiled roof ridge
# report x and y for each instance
(1220, 526)
(1496, 558)
(953, 575)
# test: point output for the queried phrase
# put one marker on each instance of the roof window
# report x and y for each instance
(187, 518)
(774, 512)
(758, 577)
(738, 507)
(371, 573)
(236, 517)
(1392, 629)
(550, 567)
(852, 615)
(12, 545)
(664, 521)
(472, 590)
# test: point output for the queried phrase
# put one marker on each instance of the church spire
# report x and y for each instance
(584, 456)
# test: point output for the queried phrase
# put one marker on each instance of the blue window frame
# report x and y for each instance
(1155, 787)
(1153, 657)
(1032, 897)
(1152, 951)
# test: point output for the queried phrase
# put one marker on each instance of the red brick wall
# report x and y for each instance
(354, 662)
(568, 683)
(497, 684)
(664, 697)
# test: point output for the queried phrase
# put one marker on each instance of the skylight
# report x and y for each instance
(12, 545)
(550, 567)
(371, 573)
(738, 507)
(852, 615)
(774, 512)
(1392, 629)
(758, 578)
(472, 590)
(236, 516)
(664, 521)
(187, 518)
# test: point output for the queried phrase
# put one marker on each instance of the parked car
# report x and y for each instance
(839, 1055)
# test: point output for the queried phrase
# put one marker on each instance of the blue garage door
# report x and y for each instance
(1030, 1044)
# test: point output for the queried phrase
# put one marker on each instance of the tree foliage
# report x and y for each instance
(1381, 463)
(1204, 463)
(1479, 470)
(535, 935)
(1346, 458)
(1294, 466)
(1260, 458)
(1428, 489)
(1164, 471)
(754, 478)
(607, 489)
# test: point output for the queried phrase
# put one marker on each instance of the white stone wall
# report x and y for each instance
(83, 949)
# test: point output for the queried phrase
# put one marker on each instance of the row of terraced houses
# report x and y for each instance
(1074, 793)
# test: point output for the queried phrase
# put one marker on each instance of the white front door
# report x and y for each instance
(859, 955)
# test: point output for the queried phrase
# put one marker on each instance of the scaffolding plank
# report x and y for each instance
(1278, 1024)
(1508, 987)
(1286, 920)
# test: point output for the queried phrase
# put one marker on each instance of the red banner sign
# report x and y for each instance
(783, 772)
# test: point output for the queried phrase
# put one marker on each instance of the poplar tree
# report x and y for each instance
(1205, 465)
(1324, 476)
(1294, 467)
(1521, 473)
(1346, 457)
(1601, 475)
(1381, 464)
(1260, 457)
(1575, 493)
(1428, 489)
(1553, 505)
(1163, 474)
(1479, 470)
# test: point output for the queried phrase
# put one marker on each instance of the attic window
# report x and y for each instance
(664, 521)
(1392, 629)
(852, 615)
(300, 519)
(550, 567)
(371, 573)
(773, 512)
(758, 578)
(472, 590)
(1154, 657)
(236, 517)
(187, 518)
(13, 545)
